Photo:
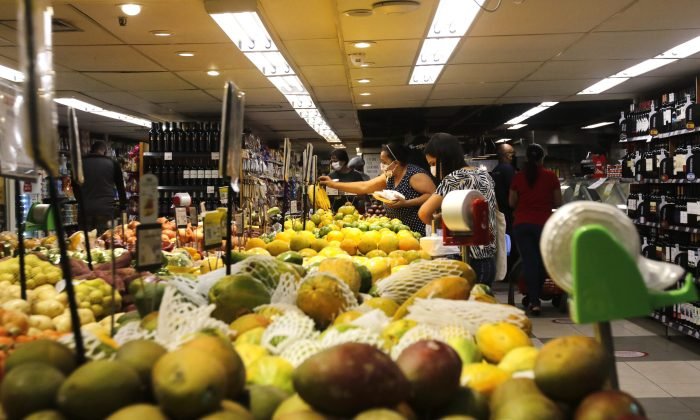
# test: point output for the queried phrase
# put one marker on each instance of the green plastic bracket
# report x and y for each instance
(607, 284)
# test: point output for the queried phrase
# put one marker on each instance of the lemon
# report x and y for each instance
(519, 359)
(496, 340)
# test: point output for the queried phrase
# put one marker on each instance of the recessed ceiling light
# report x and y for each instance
(366, 105)
(396, 7)
(213, 73)
(358, 13)
(130, 9)
(365, 94)
(363, 81)
(516, 126)
(596, 125)
(370, 63)
(162, 33)
(185, 53)
(363, 44)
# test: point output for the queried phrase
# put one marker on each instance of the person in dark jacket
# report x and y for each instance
(102, 176)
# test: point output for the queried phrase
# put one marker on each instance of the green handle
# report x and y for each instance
(687, 293)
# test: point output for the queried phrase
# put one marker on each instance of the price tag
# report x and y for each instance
(193, 216)
(632, 204)
(214, 155)
(212, 230)
(148, 199)
(210, 189)
(149, 256)
(684, 217)
(331, 191)
(293, 206)
(649, 164)
(168, 156)
(694, 208)
(181, 217)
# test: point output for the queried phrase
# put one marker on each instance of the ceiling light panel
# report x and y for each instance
(454, 17)
(249, 34)
(94, 109)
(683, 50)
(425, 75)
(11, 74)
(517, 126)
(436, 51)
(596, 125)
(531, 112)
(643, 67)
(603, 85)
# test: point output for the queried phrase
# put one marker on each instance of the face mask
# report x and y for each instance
(433, 170)
(336, 166)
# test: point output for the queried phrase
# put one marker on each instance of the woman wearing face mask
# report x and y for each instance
(445, 155)
(397, 174)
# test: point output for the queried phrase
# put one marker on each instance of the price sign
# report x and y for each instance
(210, 189)
(212, 230)
(168, 156)
(293, 206)
(149, 256)
(214, 155)
(193, 216)
(181, 217)
(148, 199)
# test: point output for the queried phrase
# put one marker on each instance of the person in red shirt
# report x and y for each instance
(534, 192)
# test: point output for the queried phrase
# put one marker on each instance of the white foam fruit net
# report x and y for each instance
(94, 348)
(465, 313)
(427, 332)
(372, 320)
(300, 350)
(286, 329)
(404, 283)
(178, 319)
(188, 287)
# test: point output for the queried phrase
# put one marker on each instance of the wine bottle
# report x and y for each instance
(153, 136)
(653, 120)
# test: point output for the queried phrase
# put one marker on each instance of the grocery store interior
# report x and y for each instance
(608, 88)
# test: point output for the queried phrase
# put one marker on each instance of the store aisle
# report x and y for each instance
(663, 373)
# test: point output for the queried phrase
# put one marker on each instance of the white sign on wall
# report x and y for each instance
(372, 162)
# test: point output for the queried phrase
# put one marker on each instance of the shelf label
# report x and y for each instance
(193, 216)
(212, 230)
(694, 208)
(293, 206)
(148, 199)
(168, 156)
(210, 189)
(149, 256)
(214, 155)
(684, 217)
(181, 217)
(649, 164)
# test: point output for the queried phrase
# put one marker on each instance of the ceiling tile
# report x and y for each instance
(529, 99)
(546, 17)
(168, 96)
(386, 76)
(389, 53)
(469, 90)
(314, 52)
(275, 115)
(189, 22)
(380, 26)
(580, 69)
(261, 96)
(511, 49)
(70, 80)
(393, 103)
(331, 93)
(204, 107)
(207, 56)
(550, 87)
(601, 97)
(643, 85)
(395, 93)
(104, 58)
(316, 19)
(653, 14)
(459, 102)
(117, 98)
(244, 79)
(502, 72)
(625, 45)
(324, 75)
(142, 81)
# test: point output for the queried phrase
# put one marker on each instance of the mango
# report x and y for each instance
(347, 379)
(466, 403)
(533, 406)
(237, 295)
(433, 370)
(609, 404)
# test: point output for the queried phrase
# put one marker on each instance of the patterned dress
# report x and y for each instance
(474, 179)
(407, 215)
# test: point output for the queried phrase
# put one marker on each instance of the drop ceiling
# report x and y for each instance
(528, 51)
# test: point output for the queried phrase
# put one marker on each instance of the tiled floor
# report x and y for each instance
(666, 380)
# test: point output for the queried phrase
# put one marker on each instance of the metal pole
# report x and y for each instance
(20, 240)
(603, 334)
(229, 217)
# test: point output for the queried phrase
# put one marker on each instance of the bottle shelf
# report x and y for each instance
(161, 155)
(660, 181)
(183, 187)
(685, 329)
(670, 134)
(684, 229)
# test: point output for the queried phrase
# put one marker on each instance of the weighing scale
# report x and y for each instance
(465, 221)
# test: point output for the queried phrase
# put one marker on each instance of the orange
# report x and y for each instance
(349, 246)
(408, 243)
(335, 236)
(254, 243)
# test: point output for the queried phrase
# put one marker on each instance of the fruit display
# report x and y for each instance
(318, 193)
(376, 209)
(38, 272)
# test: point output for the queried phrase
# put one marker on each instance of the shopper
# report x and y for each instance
(535, 191)
(398, 174)
(102, 176)
(358, 164)
(342, 173)
(445, 155)
(502, 176)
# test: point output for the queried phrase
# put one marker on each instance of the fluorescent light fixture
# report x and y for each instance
(425, 75)
(365, 94)
(162, 33)
(246, 30)
(357, 149)
(363, 81)
(367, 64)
(270, 63)
(503, 140)
(436, 51)
(213, 73)
(11, 74)
(366, 105)
(643, 67)
(596, 125)
(683, 50)
(530, 112)
(130, 9)
(338, 146)
(94, 109)
(363, 44)
(603, 85)
(516, 126)
(185, 53)
(453, 18)
(248, 33)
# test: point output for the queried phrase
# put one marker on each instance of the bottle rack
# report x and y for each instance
(663, 151)
(184, 156)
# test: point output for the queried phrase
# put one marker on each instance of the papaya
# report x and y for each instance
(343, 269)
(449, 287)
(321, 297)
(237, 295)
(291, 257)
